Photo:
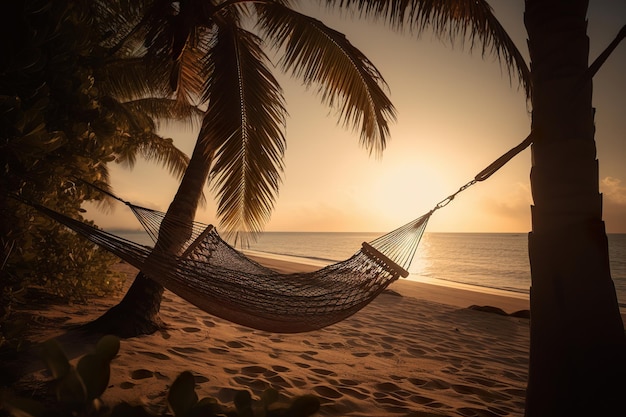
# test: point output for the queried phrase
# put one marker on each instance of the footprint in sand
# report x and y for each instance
(253, 370)
(191, 329)
(208, 323)
(173, 352)
(219, 351)
(187, 349)
(436, 384)
(199, 379)
(417, 352)
(279, 368)
(299, 382)
(470, 411)
(418, 399)
(351, 392)
(417, 381)
(127, 385)
(327, 392)
(325, 372)
(155, 355)
(279, 381)
(387, 387)
(161, 376)
(252, 383)
(141, 374)
(486, 382)
(236, 344)
(349, 382)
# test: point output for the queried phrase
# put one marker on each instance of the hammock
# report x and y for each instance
(220, 280)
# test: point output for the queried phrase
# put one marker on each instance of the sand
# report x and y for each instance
(417, 350)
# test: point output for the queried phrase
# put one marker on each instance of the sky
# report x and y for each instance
(456, 112)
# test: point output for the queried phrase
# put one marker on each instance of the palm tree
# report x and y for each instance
(578, 347)
(213, 60)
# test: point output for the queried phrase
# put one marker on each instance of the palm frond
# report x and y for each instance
(117, 20)
(161, 150)
(132, 78)
(164, 110)
(470, 21)
(345, 77)
(136, 132)
(244, 127)
(188, 74)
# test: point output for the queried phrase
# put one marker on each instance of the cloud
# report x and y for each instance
(511, 209)
(613, 190)
(614, 204)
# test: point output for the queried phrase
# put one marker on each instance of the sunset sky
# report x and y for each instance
(457, 112)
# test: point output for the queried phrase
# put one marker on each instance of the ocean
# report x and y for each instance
(488, 262)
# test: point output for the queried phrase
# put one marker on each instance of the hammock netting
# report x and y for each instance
(222, 281)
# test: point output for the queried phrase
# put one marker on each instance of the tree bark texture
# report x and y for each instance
(138, 312)
(577, 346)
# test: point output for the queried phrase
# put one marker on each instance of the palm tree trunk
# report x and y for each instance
(138, 312)
(577, 347)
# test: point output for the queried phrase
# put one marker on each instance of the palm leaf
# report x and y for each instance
(164, 110)
(471, 21)
(244, 127)
(345, 77)
(188, 75)
(137, 126)
(162, 151)
(133, 77)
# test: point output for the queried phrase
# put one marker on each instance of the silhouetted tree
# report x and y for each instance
(578, 349)
(219, 64)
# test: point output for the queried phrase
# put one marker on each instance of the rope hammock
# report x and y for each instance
(222, 281)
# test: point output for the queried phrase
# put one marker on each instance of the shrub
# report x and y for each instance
(78, 390)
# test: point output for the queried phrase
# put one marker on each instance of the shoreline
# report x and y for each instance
(457, 295)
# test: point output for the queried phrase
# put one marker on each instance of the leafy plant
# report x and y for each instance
(78, 390)
(184, 402)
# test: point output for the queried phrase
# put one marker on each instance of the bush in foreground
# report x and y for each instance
(78, 390)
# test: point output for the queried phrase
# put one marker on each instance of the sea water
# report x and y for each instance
(484, 261)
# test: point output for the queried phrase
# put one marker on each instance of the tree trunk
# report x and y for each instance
(577, 343)
(138, 312)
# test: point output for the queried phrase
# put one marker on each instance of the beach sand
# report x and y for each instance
(417, 350)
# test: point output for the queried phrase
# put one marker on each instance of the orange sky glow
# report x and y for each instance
(457, 112)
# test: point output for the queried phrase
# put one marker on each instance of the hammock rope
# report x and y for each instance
(222, 281)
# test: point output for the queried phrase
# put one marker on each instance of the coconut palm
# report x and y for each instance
(577, 352)
(213, 60)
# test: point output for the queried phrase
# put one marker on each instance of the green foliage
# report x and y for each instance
(78, 390)
(52, 130)
(59, 120)
(184, 402)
